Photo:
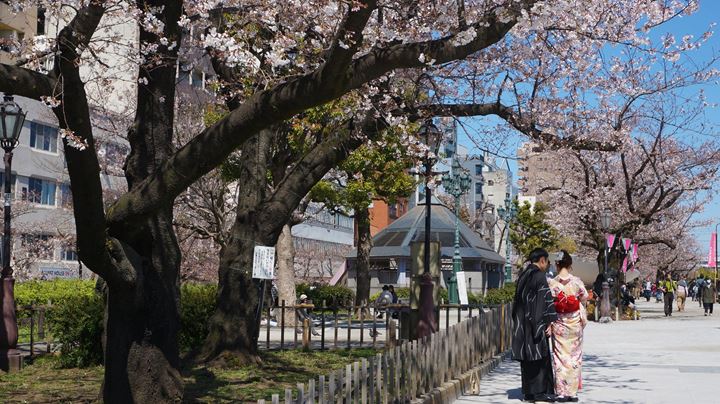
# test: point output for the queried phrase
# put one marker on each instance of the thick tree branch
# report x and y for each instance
(105, 256)
(528, 128)
(283, 101)
(26, 83)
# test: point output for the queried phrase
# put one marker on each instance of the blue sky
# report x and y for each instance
(696, 25)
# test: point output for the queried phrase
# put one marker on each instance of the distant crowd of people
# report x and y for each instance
(668, 290)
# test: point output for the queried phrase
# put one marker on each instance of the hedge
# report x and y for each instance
(493, 296)
(75, 316)
(334, 296)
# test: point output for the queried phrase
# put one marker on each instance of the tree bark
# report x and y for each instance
(233, 327)
(142, 321)
(286, 272)
(362, 263)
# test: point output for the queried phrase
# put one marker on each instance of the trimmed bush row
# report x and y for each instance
(503, 295)
(76, 310)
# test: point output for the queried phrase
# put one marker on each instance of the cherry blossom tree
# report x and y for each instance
(275, 60)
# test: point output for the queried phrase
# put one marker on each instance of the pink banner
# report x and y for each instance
(624, 267)
(634, 252)
(610, 239)
(626, 243)
(711, 256)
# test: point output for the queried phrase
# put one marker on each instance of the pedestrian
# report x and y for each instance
(303, 314)
(626, 298)
(648, 290)
(668, 287)
(567, 332)
(701, 284)
(709, 293)
(681, 295)
(533, 313)
(383, 300)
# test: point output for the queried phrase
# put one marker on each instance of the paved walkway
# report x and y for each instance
(655, 360)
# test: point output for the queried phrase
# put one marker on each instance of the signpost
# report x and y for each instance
(263, 269)
(264, 262)
(462, 288)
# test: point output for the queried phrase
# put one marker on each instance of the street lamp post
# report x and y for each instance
(605, 222)
(427, 323)
(456, 184)
(507, 213)
(12, 118)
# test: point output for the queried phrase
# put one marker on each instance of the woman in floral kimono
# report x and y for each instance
(570, 295)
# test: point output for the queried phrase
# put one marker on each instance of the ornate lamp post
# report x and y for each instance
(427, 323)
(605, 223)
(507, 214)
(12, 118)
(456, 184)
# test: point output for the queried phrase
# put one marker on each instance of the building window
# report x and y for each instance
(491, 183)
(65, 196)
(393, 211)
(478, 169)
(68, 253)
(40, 191)
(478, 188)
(478, 205)
(43, 137)
(40, 21)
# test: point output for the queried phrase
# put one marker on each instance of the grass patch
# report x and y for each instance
(45, 382)
(279, 370)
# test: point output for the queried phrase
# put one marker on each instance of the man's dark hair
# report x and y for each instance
(536, 254)
(385, 287)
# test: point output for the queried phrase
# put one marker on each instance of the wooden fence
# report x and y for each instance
(412, 368)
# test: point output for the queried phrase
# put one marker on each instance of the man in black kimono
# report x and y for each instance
(533, 312)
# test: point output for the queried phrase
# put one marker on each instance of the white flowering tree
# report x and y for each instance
(275, 60)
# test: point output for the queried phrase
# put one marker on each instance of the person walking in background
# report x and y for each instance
(709, 295)
(701, 284)
(668, 287)
(567, 332)
(648, 290)
(681, 294)
(533, 313)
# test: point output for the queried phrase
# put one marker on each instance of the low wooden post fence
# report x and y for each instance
(411, 369)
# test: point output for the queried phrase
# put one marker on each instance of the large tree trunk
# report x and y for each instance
(286, 272)
(233, 328)
(142, 359)
(362, 264)
(142, 322)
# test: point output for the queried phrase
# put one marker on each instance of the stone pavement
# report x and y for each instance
(655, 360)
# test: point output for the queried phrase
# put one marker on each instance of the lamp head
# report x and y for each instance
(431, 136)
(12, 118)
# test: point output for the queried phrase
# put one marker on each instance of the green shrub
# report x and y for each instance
(502, 295)
(54, 292)
(76, 313)
(76, 323)
(197, 304)
(333, 296)
(74, 317)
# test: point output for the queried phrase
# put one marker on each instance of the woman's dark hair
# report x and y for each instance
(536, 254)
(565, 260)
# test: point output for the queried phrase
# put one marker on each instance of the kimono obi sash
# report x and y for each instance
(566, 304)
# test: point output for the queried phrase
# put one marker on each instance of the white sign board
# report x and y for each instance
(264, 262)
(53, 273)
(462, 288)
